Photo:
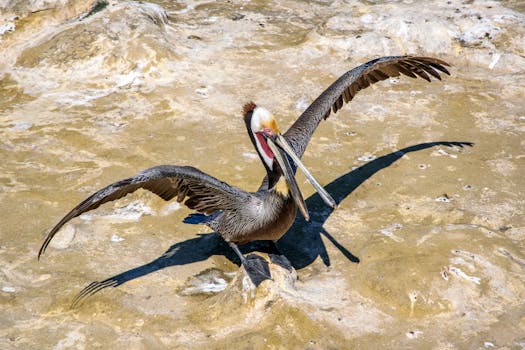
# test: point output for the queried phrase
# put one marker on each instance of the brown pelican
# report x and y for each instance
(240, 216)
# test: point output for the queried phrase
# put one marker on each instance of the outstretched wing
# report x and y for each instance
(344, 89)
(205, 193)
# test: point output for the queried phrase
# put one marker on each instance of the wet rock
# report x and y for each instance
(425, 249)
(242, 300)
(35, 19)
(384, 29)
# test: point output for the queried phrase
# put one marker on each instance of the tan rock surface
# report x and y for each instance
(94, 92)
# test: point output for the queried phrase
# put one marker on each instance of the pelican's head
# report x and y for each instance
(274, 151)
(262, 127)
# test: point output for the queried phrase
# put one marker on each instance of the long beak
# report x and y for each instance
(282, 143)
(290, 177)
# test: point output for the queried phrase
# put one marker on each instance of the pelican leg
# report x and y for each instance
(255, 266)
(279, 258)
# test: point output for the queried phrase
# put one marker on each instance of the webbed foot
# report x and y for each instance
(281, 260)
(257, 269)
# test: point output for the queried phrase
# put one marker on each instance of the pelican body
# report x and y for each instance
(268, 213)
(240, 216)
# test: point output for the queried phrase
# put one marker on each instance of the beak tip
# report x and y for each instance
(305, 214)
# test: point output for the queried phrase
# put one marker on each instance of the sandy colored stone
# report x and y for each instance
(90, 97)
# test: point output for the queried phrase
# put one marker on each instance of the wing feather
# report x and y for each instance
(205, 193)
(349, 84)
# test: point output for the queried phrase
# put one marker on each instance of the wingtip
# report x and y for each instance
(43, 248)
(40, 252)
(443, 69)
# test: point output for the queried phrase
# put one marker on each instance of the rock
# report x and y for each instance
(425, 249)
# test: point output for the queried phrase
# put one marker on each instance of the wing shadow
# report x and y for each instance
(302, 244)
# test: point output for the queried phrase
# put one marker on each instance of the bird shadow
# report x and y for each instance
(302, 244)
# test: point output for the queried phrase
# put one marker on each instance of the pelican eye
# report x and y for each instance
(268, 132)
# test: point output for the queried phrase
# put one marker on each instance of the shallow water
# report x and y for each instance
(436, 225)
